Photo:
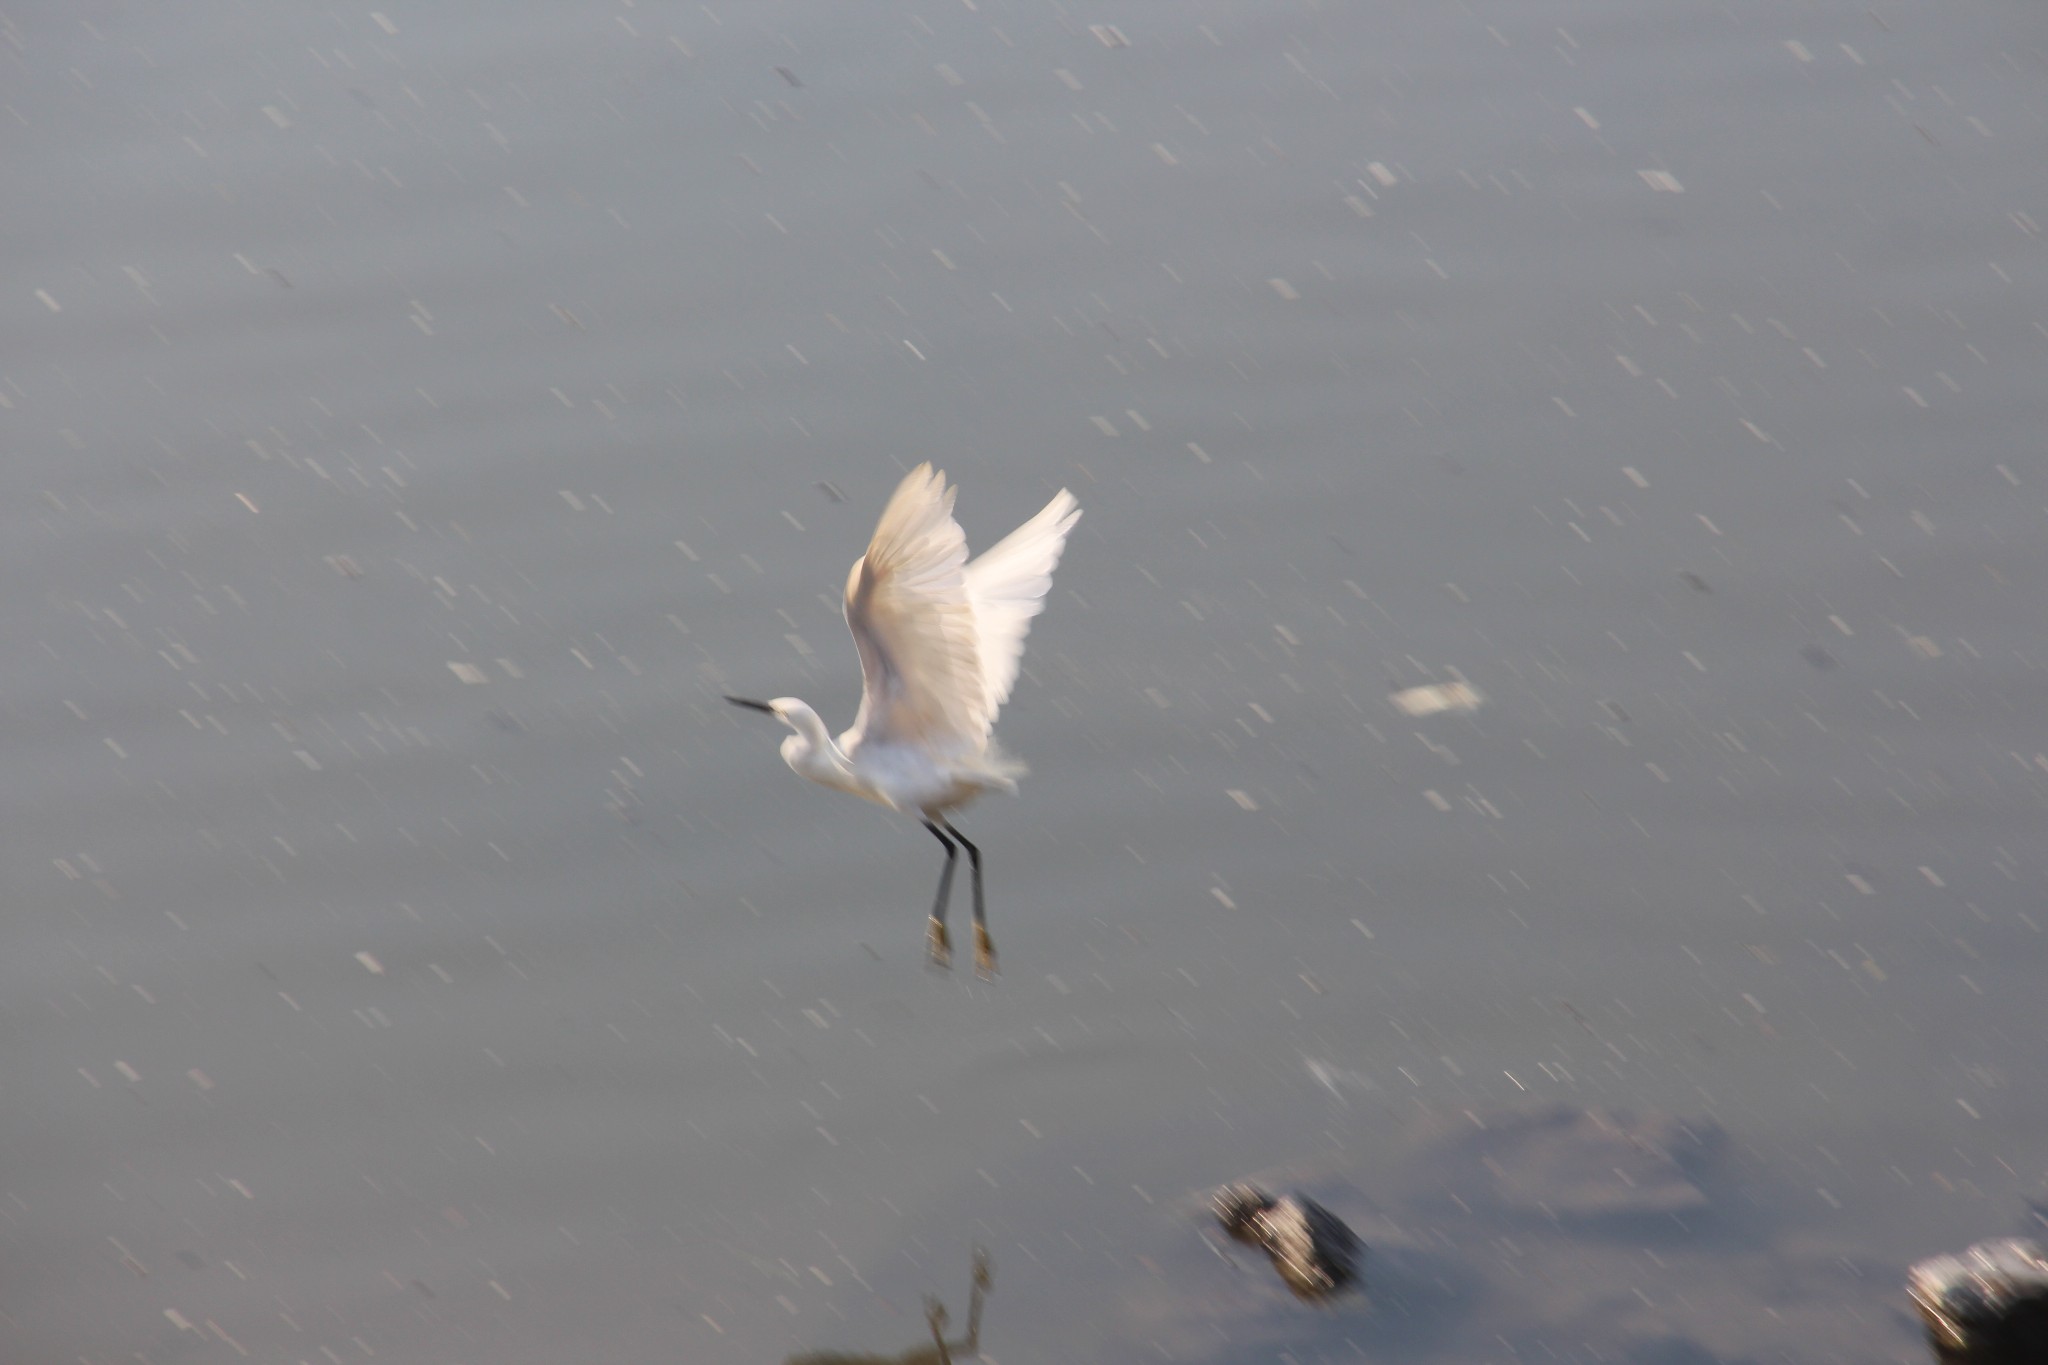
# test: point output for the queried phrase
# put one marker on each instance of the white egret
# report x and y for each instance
(939, 639)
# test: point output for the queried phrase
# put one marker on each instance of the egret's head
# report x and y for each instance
(778, 708)
(798, 716)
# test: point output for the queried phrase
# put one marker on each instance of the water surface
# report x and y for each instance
(417, 418)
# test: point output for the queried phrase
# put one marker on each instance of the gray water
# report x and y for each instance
(415, 419)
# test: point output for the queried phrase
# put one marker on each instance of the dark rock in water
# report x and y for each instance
(1988, 1306)
(1533, 1232)
(1310, 1246)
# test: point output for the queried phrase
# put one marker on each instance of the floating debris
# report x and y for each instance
(1335, 1079)
(1315, 1253)
(1988, 1306)
(1434, 697)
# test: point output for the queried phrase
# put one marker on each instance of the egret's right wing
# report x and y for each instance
(907, 606)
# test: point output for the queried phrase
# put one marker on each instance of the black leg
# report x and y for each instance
(984, 1279)
(938, 948)
(984, 949)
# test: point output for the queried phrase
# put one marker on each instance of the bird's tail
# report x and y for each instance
(1001, 769)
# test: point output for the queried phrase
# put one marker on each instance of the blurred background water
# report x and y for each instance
(416, 418)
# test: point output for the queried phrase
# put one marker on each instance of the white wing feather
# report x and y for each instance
(1007, 584)
(939, 638)
(906, 604)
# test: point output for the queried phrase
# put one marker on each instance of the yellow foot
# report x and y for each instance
(938, 947)
(984, 953)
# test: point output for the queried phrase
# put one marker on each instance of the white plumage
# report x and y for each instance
(939, 641)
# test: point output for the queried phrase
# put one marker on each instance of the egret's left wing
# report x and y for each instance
(908, 609)
(1007, 584)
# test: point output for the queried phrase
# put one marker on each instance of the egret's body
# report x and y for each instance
(939, 640)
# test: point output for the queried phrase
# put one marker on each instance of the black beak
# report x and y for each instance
(752, 705)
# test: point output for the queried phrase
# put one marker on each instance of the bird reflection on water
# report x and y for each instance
(941, 1351)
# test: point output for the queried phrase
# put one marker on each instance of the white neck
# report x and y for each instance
(810, 751)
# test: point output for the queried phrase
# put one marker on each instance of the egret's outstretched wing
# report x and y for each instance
(907, 606)
(1007, 584)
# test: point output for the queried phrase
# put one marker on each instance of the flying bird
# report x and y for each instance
(939, 640)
